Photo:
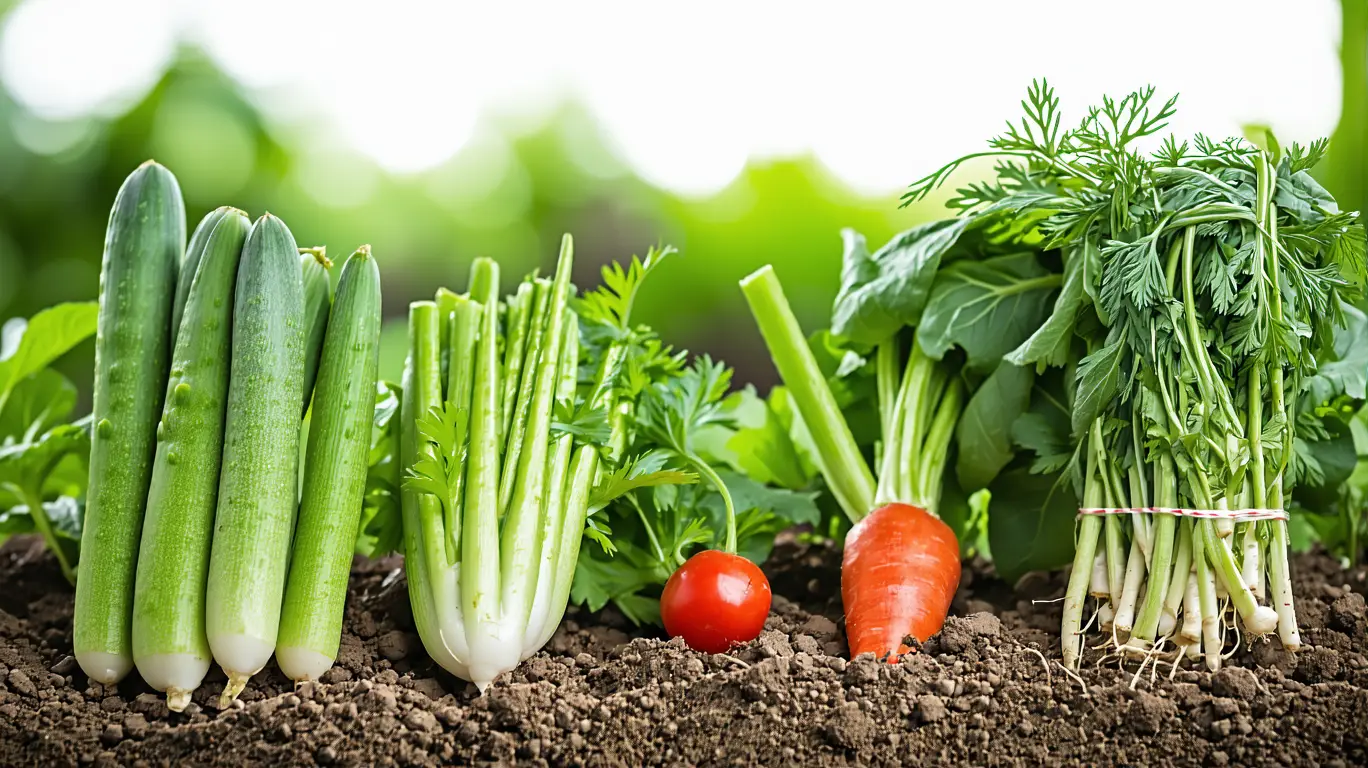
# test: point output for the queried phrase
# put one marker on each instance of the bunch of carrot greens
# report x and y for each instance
(1204, 288)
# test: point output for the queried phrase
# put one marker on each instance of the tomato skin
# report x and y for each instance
(715, 600)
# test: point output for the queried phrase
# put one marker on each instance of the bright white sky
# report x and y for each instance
(878, 91)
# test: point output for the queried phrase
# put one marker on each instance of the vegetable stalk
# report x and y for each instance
(496, 497)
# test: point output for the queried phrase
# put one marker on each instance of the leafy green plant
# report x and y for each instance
(1208, 353)
(42, 456)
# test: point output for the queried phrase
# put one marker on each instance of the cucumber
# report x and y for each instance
(169, 645)
(260, 475)
(317, 303)
(334, 475)
(190, 264)
(143, 249)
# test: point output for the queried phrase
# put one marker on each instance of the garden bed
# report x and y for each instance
(986, 691)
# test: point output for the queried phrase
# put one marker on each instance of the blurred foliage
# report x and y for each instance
(1345, 169)
(508, 195)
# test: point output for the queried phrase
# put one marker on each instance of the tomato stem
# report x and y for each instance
(711, 476)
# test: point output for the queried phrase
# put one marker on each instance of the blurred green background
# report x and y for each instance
(58, 179)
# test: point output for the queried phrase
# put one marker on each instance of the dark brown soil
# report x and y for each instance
(986, 691)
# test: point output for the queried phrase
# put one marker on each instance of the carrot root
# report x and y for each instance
(898, 575)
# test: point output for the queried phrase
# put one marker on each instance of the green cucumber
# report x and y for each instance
(169, 645)
(190, 264)
(143, 249)
(317, 303)
(259, 479)
(334, 475)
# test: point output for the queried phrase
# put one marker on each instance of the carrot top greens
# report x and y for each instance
(1202, 325)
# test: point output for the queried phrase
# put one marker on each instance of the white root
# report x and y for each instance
(1225, 526)
(1097, 587)
(1191, 633)
(1250, 567)
(1142, 526)
(1106, 616)
(1130, 590)
(1211, 620)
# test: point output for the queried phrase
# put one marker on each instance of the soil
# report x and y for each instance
(987, 691)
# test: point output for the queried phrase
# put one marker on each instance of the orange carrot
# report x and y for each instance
(901, 563)
(898, 576)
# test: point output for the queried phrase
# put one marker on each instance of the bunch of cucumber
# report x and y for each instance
(205, 359)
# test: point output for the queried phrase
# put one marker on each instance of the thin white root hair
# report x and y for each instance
(1049, 678)
(1077, 679)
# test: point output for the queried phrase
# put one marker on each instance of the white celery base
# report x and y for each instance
(241, 654)
(302, 664)
(175, 674)
(106, 668)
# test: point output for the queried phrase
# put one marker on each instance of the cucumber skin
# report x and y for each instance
(260, 472)
(168, 605)
(190, 265)
(144, 245)
(336, 463)
(317, 304)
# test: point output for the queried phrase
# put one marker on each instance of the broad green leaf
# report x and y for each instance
(1348, 372)
(794, 507)
(15, 521)
(600, 577)
(47, 336)
(1098, 380)
(984, 433)
(1030, 523)
(987, 308)
(1049, 345)
(1045, 427)
(883, 292)
(36, 404)
(759, 445)
(967, 516)
(27, 464)
(639, 609)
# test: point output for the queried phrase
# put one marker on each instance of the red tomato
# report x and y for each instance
(715, 600)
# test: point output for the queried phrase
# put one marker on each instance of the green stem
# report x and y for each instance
(518, 319)
(427, 392)
(886, 376)
(520, 543)
(917, 399)
(935, 449)
(838, 456)
(708, 473)
(1114, 543)
(1206, 370)
(1161, 562)
(34, 500)
(1279, 574)
(480, 572)
(464, 330)
(513, 441)
(1085, 550)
